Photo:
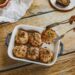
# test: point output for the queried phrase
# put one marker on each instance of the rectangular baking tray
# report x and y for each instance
(54, 47)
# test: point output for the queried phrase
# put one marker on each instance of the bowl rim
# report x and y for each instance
(4, 4)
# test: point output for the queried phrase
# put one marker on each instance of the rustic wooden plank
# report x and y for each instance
(38, 6)
(4, 59)
(43, 20)
(69, 47)
(64, 66)
(39, 20)
(69, 42)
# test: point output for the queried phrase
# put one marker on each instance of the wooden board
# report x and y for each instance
(42, 14)
(64, 66)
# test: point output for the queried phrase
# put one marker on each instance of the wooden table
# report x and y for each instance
(41, 14)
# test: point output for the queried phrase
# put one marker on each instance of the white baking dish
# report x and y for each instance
(53, 47)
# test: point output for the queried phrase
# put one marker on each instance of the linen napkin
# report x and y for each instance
(14, 10)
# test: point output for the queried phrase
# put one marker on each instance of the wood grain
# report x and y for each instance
(64, 66)
(42, 21)
(39, 6)
(40, 15)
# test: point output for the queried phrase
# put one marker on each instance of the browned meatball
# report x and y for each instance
(48, 35)
(21, 37)
(45, 55)
(20, 51)
(33, 53)
(63, 3)
(35, 38)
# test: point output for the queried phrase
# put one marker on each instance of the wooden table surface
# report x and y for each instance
(42, 14)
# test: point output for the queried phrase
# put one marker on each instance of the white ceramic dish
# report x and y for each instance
(71, 5)
(53, 47)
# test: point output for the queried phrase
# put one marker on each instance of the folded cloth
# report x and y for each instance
(14, 10)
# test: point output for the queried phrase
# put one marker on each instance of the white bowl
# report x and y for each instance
(69, 7)
(53, 47)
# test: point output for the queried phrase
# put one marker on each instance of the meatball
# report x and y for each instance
(63, 3)
(33, 53)
(48, 35)
(35, 38)
(45, 55)
(20, 51)
(21, 37)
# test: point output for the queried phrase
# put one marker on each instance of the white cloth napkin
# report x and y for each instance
(14, 10)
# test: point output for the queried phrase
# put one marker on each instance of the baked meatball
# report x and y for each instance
(45, 55)
(35, 38)
(21, 37)
(33, 53)
(48, 35)
(20, 51)
(63, 3)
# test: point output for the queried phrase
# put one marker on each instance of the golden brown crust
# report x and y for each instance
(48, 35)
(35, 39)
(21, 37)
(20, 51)
(33, 53)
(45, 55)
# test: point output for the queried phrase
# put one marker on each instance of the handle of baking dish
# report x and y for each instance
(9, 36)
(61, 49)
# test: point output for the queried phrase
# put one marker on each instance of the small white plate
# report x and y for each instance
(70, 7)
(54, 47)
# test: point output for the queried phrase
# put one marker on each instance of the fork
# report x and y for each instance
(60, 37)
(70, 20)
